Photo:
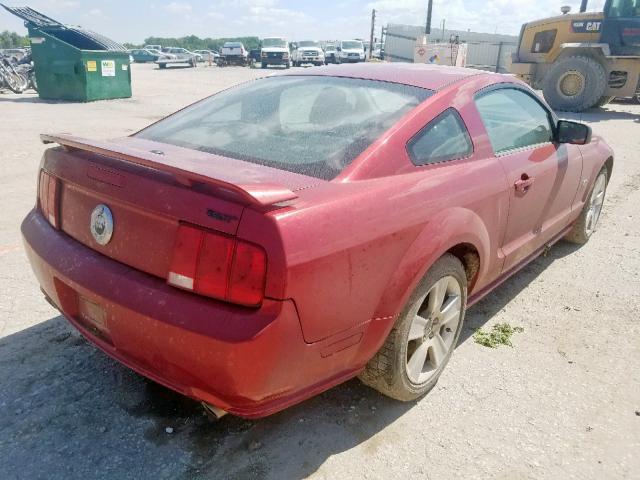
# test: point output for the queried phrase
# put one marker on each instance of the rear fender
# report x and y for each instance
(451, 227)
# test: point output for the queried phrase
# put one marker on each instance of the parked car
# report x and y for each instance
(309, 227)
(206, 55)
(16, 53)
(143, 55)
(330, 54)
(177, 56)
(234, 53)
(350, 51)
(275, 51)
(308, 51)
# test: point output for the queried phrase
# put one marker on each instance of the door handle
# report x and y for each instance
(524, 183)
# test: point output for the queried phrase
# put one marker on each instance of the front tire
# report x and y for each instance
(588, 220)
(574, 84)
(421, 342)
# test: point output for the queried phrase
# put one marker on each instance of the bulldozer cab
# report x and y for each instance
(621, 27)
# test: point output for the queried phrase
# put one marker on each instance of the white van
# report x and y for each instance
(274, 51)
(350, 51)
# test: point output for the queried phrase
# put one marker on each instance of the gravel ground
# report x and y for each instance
(564, 402)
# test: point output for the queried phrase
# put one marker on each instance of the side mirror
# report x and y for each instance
(339, 49)
(573, 132)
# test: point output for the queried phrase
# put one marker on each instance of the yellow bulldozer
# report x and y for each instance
(582, 60)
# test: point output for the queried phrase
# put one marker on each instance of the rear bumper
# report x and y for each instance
(248, 362)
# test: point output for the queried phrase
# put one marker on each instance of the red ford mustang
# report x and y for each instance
(283, 236)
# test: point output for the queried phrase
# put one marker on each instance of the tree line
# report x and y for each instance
(193, 42)
(12, 40)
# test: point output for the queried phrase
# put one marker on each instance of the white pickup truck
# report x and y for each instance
(234, 53)
(275, 51)
(308, 51)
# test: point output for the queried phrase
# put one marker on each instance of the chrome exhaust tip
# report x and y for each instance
(213, 410)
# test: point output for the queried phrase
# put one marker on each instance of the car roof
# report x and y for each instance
(429, 76)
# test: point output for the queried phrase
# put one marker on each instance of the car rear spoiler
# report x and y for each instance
(259, 194)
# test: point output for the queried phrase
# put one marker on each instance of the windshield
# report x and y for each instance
(352, 45)
(624, 8)
(308, 43)
(274, 42)
(310, 125)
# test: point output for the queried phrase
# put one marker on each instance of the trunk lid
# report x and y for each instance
(150, 188)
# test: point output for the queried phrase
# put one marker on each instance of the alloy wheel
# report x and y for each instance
(595, 203)
(433, 329)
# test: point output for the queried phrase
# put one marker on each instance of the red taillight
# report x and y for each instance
(218, 266)
(48, 197)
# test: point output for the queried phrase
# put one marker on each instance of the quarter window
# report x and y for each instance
(514, 119)
(444, 138)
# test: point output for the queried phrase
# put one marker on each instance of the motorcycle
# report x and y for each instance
(27, 69)
(11, 77)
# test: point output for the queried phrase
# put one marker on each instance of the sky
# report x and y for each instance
(133, 21)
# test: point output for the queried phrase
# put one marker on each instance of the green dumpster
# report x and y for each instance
(72, 63)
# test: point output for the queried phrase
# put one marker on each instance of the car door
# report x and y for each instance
(543, 175)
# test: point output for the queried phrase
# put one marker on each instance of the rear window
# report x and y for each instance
(315, 126)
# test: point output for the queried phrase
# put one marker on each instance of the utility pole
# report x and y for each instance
(427, 29)
(373, 26)
(444, 22)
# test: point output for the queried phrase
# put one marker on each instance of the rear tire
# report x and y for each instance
(587, 222)
(421, 342)
(574, 84)
(162, 65)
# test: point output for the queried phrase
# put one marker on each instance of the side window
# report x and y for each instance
(444, 138)
(543, 41)
(513, 119)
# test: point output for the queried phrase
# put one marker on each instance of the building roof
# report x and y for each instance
(432, 77)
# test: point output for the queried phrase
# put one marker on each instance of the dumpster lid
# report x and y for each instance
(30, 15)
(77, 37)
